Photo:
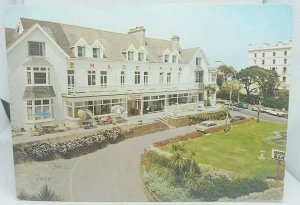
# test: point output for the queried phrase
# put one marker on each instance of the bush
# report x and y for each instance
(73, 148)
(76, 147)
(277, 102)
(114, 135)
(205, 183)
(242, 187)
(218, 115)
(40, 152)
(45, 194)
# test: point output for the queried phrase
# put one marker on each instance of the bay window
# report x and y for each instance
(39, 109)
(38, 76)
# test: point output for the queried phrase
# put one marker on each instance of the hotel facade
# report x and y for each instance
(275, 57)
(56, 69)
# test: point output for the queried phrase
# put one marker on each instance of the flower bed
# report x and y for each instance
(76, 147)
(163, 182)
(185, 137)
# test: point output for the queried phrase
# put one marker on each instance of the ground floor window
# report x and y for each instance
(153, 103)
(181, 98)
(97, 106)
(39, 109)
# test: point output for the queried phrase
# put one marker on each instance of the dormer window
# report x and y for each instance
(166, 58)
(81, 51)
(130, 55)
(140, 56)
(174, 59)
(36, 48)
(198, 61)
(96, 52)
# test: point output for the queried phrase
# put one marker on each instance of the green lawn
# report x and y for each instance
(238, 150)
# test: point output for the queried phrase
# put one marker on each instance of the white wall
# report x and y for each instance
(17, 77)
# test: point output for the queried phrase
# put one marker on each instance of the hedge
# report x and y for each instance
(76, 147)
(218, 115)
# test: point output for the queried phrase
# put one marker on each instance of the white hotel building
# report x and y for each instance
(56, 69)
(275, 57)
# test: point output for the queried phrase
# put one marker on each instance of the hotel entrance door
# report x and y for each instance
(134, 107)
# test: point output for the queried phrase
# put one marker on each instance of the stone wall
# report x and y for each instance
(178, 121)
(148, 128)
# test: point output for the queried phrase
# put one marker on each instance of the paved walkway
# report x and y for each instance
(109, 174)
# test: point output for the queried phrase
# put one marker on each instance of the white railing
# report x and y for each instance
(96, 89)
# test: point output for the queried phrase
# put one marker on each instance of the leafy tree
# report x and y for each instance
(247, 77)
(232, 86)
(220, 79)
(268, 82)
(226, 71)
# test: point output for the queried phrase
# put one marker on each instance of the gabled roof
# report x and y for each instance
(189, 54)
(11, 35)
(66, 36)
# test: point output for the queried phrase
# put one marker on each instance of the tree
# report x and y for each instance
(209, 91)
(247, 78)
(226, 71)
(232, 86)
(266, 80)
(220, 79)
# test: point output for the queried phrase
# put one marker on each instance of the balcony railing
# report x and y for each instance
(139, 88)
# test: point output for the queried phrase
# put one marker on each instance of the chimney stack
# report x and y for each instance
(175, 42)
(139, 32)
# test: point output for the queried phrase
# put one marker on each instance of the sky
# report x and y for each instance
(224, 32)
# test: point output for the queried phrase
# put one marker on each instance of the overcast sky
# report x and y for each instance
(224, 32)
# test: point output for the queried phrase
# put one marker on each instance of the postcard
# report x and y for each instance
(149, 102)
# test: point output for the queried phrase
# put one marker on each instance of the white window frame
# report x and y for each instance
(122, 78)
(91, 77)
(130, 55)
(103, 79)
(32, 70)
(41, 48)
(169, 74)
(141, 56)
(161, 78)
(199, 75)
(198, 61)
(167, 58)
(98, 51)
(174, 58)
(83, 51)
(31, 104)
(146, 78)
(137, 77)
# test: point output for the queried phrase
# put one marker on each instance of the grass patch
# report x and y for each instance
(237, 151)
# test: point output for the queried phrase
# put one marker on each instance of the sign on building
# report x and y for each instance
(278, 154)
